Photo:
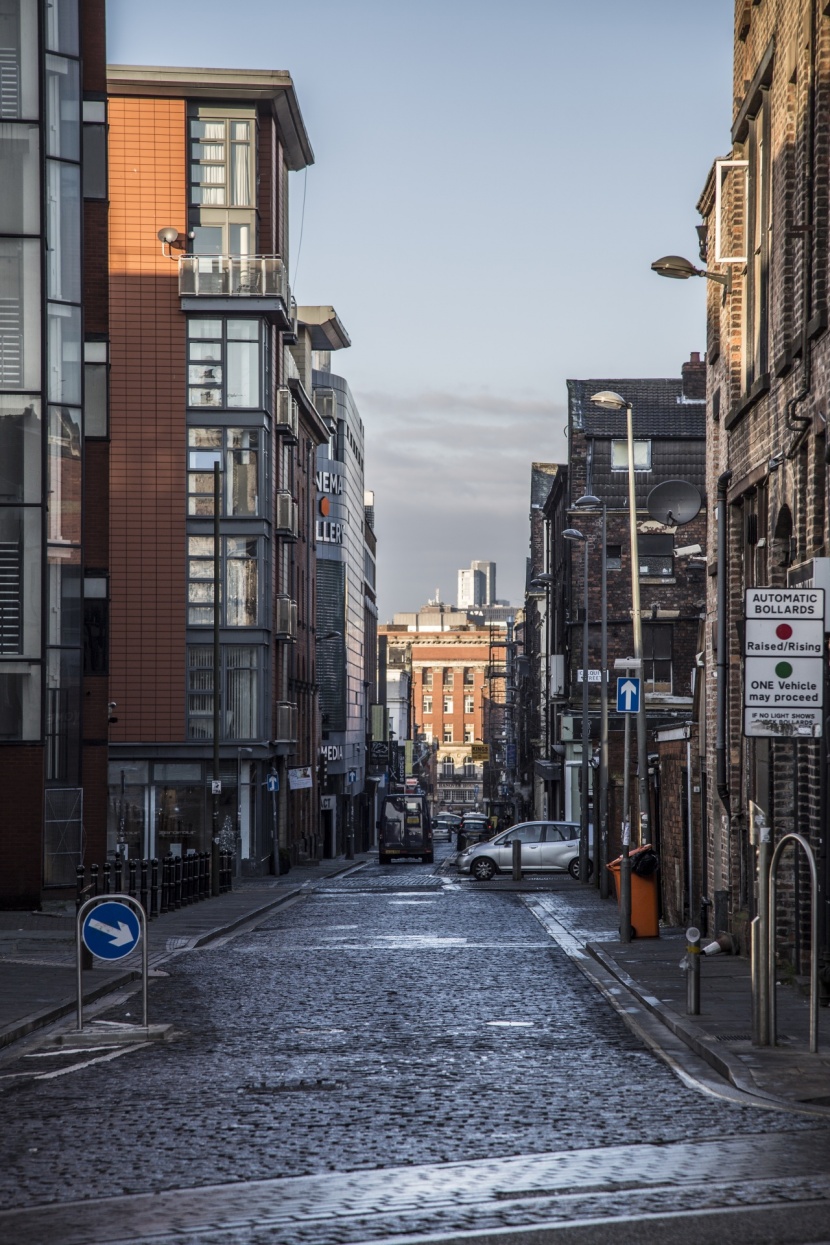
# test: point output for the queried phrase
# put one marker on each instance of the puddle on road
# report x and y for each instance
(510, 1024)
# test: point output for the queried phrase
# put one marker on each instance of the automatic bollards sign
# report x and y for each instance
(784, 663)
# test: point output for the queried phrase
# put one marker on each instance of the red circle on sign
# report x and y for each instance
(324, 505)
(783, 631)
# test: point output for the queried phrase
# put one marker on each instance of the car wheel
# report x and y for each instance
(573, 868)
(482, 869)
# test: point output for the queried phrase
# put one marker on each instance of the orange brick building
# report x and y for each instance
(202, 377)
(450, 691)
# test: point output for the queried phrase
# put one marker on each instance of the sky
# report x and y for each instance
(490, 186)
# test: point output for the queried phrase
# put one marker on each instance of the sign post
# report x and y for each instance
(111, 928)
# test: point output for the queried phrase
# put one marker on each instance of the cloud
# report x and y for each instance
(451, 475)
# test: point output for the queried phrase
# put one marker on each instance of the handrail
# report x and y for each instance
(773, 886)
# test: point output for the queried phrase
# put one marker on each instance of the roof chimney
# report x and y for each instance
(693, 374)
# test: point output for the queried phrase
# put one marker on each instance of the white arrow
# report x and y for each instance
(630, 692)
(120, 937)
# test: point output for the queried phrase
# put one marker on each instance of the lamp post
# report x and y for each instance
(611, 401)
(589, 502)
(571, 533)
(544, 580)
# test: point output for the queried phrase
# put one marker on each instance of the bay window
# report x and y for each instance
(239, 587)
(237, 450)
(225, 359)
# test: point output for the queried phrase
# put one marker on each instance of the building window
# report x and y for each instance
(447, 734)
(240, 604)
(469, 676)
(221, 162)
(224, 359)
(96, 420)
(240, 700)
(469, 767)
(235, 449)
(448, 678)
(657, 657)
(656, 556)
(96, 624)
(448, 705)
(619, 455)
(447, 767)
(469, 734)
(427, 677)
(427, 704)
(613, 557)
(469, 704)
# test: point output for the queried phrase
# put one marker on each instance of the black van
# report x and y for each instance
(404, 828)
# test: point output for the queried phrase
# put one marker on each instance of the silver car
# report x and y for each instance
(547, 847)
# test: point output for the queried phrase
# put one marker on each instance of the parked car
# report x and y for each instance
(447, 823)
(474, 827)
(547, 847)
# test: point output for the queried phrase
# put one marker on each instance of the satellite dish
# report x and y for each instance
(674, 502)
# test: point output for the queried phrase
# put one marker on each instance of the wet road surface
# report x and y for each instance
(332, 1063)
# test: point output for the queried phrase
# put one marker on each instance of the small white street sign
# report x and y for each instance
(783, 723)
(781, 683)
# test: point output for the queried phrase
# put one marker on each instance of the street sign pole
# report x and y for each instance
(120, 943)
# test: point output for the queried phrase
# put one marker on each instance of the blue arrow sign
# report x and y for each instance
(273, 782)
(628, 695)
(111, 930)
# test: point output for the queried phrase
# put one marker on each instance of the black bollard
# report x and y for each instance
(93, 880)
(79, 886)
(119, 874)
(177, 881)
(145, 866)
(165, 883)
(154, 888)
(131, 870)
(107, 878)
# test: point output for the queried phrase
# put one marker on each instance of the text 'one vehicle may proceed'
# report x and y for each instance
(783, 662)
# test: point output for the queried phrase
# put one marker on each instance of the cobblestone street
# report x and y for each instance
(390, 1018)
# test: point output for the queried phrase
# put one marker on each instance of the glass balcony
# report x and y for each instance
(233, 276)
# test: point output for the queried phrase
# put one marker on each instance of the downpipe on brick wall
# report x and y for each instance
(722, 664)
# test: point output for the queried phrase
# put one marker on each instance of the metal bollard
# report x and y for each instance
(165, 883)
(79, 886)
(107, 878)
(693, 971)
(131, 871)
(119, 874)
(517, 860)
(177, 881)
(145, 865)
(154, 887)
(93, 880)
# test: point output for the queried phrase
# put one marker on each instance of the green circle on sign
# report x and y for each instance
(783, 669)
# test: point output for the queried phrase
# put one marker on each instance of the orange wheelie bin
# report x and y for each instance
(644, 911)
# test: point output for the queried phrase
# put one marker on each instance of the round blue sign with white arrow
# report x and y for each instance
(111, 930)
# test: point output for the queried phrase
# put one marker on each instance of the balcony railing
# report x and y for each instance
(233, 276)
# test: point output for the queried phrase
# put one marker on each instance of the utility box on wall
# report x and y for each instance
(557, 676)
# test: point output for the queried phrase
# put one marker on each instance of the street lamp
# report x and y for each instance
(571, 533)
(589, 502)
(544, 581)
(680, 269)
(610, 401)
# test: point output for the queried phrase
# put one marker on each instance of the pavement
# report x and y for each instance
(38, 973)
(642, 980)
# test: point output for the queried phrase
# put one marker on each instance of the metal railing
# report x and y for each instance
(233, 276)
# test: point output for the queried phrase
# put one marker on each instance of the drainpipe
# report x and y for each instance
(801, 423)
(722, 659)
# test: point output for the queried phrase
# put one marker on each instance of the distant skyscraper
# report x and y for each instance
(488, 570)
(471, 588)
(476, 585)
